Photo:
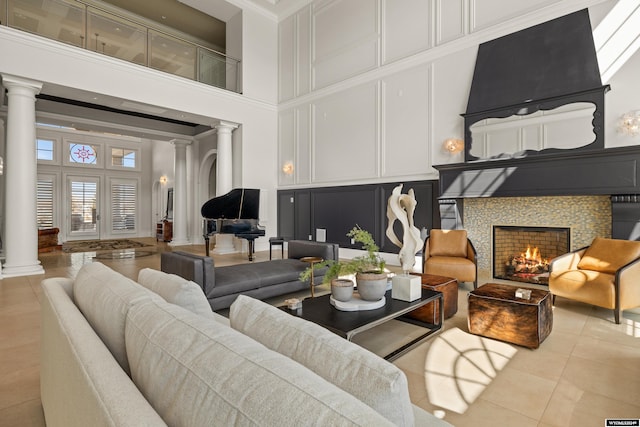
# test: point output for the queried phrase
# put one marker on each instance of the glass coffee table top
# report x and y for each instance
(349, 323)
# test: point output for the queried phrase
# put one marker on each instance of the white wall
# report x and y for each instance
(370, 90)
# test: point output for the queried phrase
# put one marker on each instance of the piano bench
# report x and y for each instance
(276, 241)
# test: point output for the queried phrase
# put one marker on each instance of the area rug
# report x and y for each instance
(126, 254)
(101, 245)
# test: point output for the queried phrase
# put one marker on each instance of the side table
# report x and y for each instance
(449, 288)
(496, 312)
(311, 260)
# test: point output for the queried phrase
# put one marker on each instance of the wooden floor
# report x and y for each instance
(587, 370)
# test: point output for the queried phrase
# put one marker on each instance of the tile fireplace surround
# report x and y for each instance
(586, 216)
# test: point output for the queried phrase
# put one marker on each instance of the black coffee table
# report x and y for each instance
(349, 323)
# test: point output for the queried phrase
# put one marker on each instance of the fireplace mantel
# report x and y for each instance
(597, 172)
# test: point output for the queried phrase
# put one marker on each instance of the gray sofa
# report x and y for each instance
(119, 353)
(260, 280)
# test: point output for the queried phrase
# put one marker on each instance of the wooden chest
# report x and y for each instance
(495, 312)
(449, 288)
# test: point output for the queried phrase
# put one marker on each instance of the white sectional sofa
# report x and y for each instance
(117, 353)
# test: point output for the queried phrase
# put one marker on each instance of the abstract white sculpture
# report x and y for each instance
(400, 207)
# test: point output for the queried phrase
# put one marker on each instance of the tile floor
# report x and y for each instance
(587, 370)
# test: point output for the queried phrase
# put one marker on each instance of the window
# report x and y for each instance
(45, 149)
(44, 202)
(82, 153)
(123, 157)
(123, 206)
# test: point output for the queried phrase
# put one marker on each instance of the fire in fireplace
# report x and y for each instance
(523, 254)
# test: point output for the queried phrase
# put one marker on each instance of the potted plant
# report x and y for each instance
(369, 270)
(371, 276)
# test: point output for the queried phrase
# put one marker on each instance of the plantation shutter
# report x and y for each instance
(123, 206)
(44, 203)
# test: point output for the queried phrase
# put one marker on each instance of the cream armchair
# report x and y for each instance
(605, 274)
(450, 253)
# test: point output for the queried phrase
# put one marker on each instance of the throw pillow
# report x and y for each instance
(370, 378)
(104, 297)
(176, 290)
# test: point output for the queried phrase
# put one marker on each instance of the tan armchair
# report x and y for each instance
(450, 253)
(605, 274)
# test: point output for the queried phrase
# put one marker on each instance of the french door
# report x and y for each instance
(83, 210)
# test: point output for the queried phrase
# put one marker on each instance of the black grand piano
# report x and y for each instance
(233, 213)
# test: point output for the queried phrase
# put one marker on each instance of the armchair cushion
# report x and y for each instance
(451, 243)
(609, 255)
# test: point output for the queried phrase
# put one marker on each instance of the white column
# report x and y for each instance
(224, 178)
(2, 156)
(21, 175)
(180, 194)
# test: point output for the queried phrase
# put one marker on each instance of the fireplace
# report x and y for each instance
(523, 253)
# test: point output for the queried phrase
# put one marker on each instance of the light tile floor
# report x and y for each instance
(587, 370)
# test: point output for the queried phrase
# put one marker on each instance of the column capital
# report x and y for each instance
(180, 142)
(10, 82)
(226, 127)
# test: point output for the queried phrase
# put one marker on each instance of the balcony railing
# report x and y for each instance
(88, 27)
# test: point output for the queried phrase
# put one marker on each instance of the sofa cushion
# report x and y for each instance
(194, 373)
(448, 243)
(609, 255)
(104, 296)
(373, 380)
(176, 290)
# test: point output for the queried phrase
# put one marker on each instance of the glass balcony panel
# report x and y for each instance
(213, 68)
(172, 55)
(54, 19)
(120, 37)
(117, 37)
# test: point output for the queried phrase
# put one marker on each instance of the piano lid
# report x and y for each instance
(239, 203)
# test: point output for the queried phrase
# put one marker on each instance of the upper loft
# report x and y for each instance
(181, 40)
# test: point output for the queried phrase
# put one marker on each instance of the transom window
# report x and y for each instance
(45, 149)
(123, 157)
(83, 153)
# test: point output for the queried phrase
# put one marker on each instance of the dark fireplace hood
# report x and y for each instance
(540, 68)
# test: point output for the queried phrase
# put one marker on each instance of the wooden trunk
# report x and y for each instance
(449, 288)
(48, 239)
(495, 312)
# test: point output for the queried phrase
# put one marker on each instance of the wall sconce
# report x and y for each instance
(630, 123)
(453, 145)
(163, 179)
(287, 168)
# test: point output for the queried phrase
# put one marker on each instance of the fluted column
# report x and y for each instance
(180, 236)
(224, 177)
(21, 176)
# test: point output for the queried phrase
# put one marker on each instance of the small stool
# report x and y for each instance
(449, 288)
(276, 241)
(495, 312)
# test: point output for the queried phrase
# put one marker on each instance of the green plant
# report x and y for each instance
(371, 262)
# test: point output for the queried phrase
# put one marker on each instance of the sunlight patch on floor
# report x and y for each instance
(459, 366)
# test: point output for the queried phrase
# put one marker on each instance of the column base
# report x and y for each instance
(224, 244)
(179, 242)
(22, 270)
